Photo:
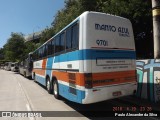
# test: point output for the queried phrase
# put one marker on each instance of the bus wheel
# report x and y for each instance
(55, 89)
(48, 85)
(34, 77)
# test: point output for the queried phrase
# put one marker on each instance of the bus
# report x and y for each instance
(7, 66)
(90, 60)
(14, 67)
(26, 66)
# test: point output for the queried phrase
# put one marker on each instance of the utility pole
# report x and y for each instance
(156, 27)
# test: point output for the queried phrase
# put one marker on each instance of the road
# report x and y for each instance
(21, 94)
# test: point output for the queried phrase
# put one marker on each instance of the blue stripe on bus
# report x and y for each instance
(40, 79)
(64, 91)
(94, 54)
(49, 67)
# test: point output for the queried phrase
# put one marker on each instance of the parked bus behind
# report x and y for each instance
(15, 67)
(25, 66)
(7, 66)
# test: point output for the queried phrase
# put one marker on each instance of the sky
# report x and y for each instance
(26, 16)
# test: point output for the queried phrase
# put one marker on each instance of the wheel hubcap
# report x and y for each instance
(55, 88)
(48, 85)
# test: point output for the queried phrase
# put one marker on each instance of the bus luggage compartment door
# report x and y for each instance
(72, 85)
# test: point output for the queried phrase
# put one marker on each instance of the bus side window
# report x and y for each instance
(57, 44)
(49, 48)
(34, 55)
(40, 53)
(36, 58)
(75, 36)
(45, 50)
(53, 47)
(62, 42)
(68, 39)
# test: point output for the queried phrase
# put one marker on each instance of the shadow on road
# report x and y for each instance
(92, 111)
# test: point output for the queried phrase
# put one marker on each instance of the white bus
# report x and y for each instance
(7, 66)
(26, 66)
(91, 60)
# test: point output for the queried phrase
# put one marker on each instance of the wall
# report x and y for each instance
(148, 77)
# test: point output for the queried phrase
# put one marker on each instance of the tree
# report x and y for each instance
(139, 12)
(1, 53)
(29, 47)
(47, 34)
(62, 18)
(14, 48)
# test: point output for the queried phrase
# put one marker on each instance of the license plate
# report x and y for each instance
(117, 93)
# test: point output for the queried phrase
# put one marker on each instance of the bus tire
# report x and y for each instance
(34, 78)
(55, 89)
(48, 85)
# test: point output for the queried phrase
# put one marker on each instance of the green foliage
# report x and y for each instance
(139, 12)
(29, 47)
(1, 53)
(62, 18)
(13, 49)
(1, 50)
(2, 62)
(47, 34)
(66, 15)
(16, 49)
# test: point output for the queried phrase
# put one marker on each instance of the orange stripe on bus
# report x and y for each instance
(44, 63)
(39, 71)
(64, 76)
(110, 78)
(98, 79)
